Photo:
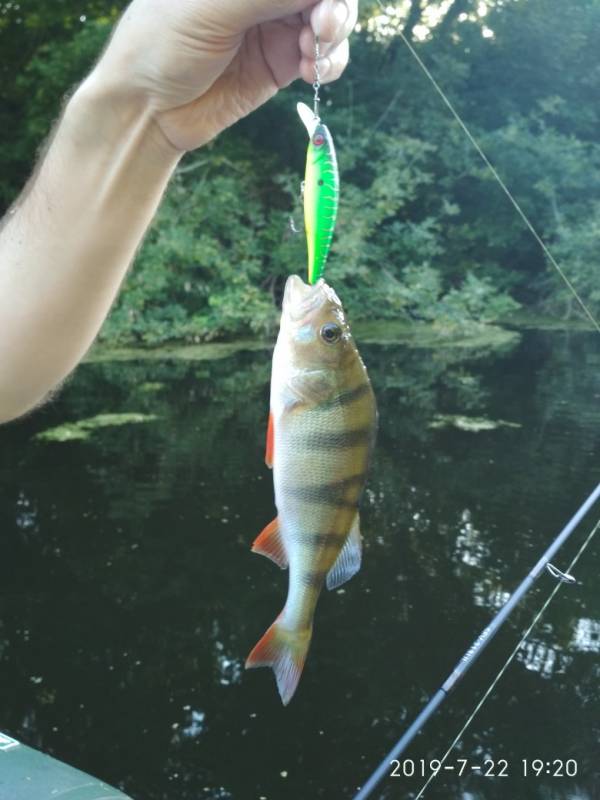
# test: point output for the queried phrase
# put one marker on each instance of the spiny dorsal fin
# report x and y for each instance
(349, 560)
(270, 544)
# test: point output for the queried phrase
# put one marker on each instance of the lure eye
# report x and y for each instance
(331, 333)
(318, 139)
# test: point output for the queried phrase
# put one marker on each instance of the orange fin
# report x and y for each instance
(285, 652)
(270, 442)
(270, 544)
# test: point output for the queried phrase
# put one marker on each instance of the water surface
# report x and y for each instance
(130, 598)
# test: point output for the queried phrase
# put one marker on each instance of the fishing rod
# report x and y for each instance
(479, 645)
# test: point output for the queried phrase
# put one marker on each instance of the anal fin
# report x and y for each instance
(270, 544)
(349, 560)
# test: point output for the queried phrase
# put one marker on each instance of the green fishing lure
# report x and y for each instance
(321, 192)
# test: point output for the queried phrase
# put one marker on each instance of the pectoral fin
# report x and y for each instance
(270, 544)
(270, 442)
(349, 560)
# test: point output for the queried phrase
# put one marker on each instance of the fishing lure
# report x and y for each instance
(321, 191)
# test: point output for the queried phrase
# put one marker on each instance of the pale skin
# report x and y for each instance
(175, 74)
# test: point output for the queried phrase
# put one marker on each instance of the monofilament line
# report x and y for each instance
(503, 186)
(510, 659)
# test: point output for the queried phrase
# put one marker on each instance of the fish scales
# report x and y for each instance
(323, 419)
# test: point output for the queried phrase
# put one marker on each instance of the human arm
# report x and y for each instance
(68, 241)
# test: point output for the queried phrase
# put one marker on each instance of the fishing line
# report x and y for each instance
(511, 657)
(494, 172)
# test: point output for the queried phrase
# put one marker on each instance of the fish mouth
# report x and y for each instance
(301, 299)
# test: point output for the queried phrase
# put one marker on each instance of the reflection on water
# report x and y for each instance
(486, 595)
(130, 597)
(470, 547)
(542, 658)
(586, 636)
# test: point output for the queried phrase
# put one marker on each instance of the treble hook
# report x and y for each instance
(292, 222)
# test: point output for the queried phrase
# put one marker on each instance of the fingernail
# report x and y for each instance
(331, 16)
(342, 12)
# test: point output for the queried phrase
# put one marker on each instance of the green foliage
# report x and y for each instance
(199, 273)
(425, 233)
(477, 299)
(46, 49)
(53, 72)
(577, 244)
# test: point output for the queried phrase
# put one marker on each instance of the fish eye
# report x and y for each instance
(331, 333)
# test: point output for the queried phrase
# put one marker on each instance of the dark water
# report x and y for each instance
(130, 599)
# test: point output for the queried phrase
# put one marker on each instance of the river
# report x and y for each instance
(130, 598)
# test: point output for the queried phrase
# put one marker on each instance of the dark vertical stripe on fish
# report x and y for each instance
(313, 579)
(333, 493)
(335, 440)
(352, 395)
(315, 541)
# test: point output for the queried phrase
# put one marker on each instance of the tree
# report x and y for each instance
(425, 232)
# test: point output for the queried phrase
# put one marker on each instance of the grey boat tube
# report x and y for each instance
(27, 774)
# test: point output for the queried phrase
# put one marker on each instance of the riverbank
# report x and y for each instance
(383, 332)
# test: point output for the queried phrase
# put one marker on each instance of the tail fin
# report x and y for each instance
(285, 652)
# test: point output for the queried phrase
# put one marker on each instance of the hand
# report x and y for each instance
(203, 64)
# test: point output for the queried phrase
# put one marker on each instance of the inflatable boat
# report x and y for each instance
(26, 774)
